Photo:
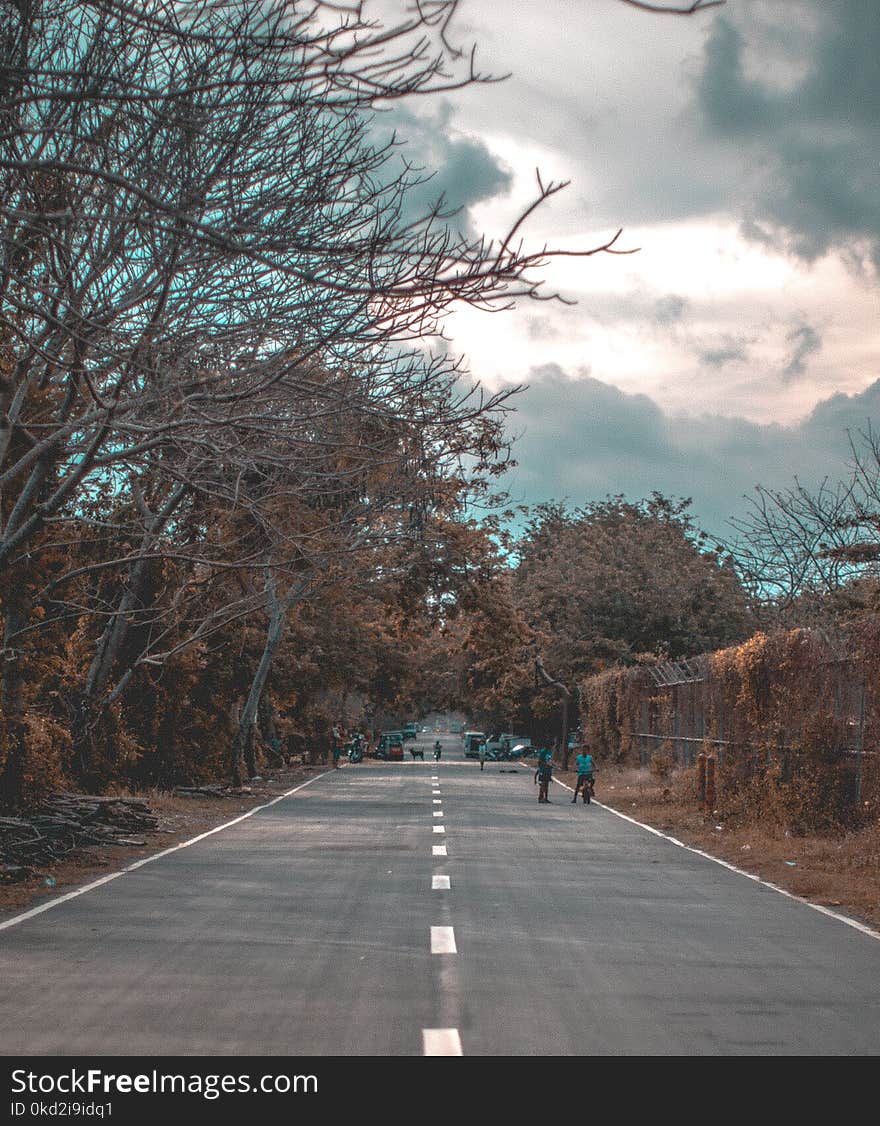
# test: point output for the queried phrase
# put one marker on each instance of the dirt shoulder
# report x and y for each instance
(180, 819)
(842, 873)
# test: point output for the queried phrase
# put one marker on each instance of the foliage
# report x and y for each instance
(616, 579)
(790, 716)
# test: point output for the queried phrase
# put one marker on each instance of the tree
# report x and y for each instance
(213, 379)
(811, 555)
(616, 579)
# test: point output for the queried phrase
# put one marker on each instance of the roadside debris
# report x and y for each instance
(66, 822)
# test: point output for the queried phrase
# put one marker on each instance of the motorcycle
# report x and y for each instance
(355, 751)
(438, 750)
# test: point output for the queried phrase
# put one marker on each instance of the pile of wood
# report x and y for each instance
(65, 823)
(211, 790)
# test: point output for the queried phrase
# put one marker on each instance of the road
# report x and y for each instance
(415, 908)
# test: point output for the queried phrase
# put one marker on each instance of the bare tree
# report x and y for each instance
(800, 545)
(211, 304)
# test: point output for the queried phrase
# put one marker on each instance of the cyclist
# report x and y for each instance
(585, 776)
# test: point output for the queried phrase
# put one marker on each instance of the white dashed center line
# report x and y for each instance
(438, 883)
(439, 828)
(441, 1042)
(443, 940)
(438, 850)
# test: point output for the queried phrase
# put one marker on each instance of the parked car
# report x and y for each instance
(504, 747)
(390, 746)
(516, 745)
(472, 740)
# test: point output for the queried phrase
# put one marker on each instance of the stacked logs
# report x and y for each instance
(67, 822)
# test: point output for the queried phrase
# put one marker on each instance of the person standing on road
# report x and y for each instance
(543, 774)
(585, 775)
(338, 736)
(481, 752)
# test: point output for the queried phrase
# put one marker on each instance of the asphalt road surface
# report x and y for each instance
(403, 909)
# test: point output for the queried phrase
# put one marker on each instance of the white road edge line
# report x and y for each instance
(443, 940)
(441, 1042)
(156, 856)
(854, 923)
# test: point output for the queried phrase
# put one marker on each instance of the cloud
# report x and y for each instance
(670, 309)
(442, 162)
(728, 351)
(582, 439)
(806, 341)
(802, 109)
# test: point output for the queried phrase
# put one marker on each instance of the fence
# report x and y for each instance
(795, 704)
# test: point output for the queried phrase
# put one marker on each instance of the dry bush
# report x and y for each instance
(782, 709)
(33, 757)
(662, 764)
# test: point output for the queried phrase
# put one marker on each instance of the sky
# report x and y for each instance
(738, 151)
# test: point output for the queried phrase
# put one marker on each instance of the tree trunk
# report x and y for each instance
(242, 750)
(269, 728)
(13, 768)
(90, 704)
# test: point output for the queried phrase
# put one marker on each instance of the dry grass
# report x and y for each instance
(840, 872)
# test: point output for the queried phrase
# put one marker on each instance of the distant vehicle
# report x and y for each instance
(455, 729)
(390, 746)
(472, 740)
(505, 747)
(411, 731)
(494, 746)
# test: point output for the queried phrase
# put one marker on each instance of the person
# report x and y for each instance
(481, 752)
(543, 774)
(438, 749)
(585, 775)
(338, 738)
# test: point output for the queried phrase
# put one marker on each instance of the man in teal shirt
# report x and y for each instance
(585, 776)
